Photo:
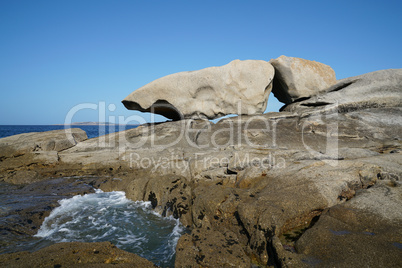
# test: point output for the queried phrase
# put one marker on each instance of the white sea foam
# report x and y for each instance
(110, 216)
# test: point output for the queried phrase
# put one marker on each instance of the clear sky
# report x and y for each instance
(55, 55)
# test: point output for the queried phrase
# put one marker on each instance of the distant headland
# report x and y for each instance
(92, 124)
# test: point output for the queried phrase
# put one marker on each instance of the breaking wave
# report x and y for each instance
(110, 216)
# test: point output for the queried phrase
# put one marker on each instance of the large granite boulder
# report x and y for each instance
(240, 87)
(372, 90)
(297, 78)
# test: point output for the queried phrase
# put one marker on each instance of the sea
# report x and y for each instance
(95, 217)
(92, 131)
(110, 216)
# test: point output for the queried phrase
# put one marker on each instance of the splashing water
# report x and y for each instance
(110, 216)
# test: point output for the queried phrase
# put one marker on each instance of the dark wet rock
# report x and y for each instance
(208, 248)
(24, 208)
(74, 254)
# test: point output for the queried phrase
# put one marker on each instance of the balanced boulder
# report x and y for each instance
(297, 78)
(240, 87)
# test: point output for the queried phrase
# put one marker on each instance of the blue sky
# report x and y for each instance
(55, 55)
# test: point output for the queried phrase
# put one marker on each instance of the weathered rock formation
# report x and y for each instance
(243, 184)
(353, 231)
(372, 90)
(297, 188)
(240, 87)
(56, 140)
(297, 78)
(74, 254)
(34, 150)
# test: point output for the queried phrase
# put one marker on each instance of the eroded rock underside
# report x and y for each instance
(298, 188)
(239, 87)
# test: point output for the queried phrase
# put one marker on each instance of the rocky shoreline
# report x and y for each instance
(317, 184)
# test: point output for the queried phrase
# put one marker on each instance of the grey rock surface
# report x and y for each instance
(377, 89)
(34, 149)
(240, 87)
(56, 140)
(298, 78)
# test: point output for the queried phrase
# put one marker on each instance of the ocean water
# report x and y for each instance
(131, 226)
(93, 217)
(110, 216)
(91, 130)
